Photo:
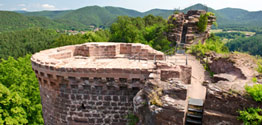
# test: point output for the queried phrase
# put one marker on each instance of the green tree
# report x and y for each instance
(251, 44)
(20, 43)
(213, 43)
(126, 29)
(149, 30)
(19, 93)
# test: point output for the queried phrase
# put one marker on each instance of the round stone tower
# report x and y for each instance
(92, 83)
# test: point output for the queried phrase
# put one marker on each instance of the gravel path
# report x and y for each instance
(196, 90)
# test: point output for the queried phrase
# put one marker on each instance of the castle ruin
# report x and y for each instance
(95, 83)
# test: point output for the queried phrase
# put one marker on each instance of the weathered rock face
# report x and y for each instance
(161, 103)
(183, 27)
(223, 101)
(162, 100)
(240, 65)
(227, 95)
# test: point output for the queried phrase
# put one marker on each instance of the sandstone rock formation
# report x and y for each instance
(183, 27)
(223, 101)
(161, 102)
(226, 94)
(239, 65)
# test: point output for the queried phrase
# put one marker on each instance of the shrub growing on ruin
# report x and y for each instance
(132, 119)
(254, 79)
(203, 21)
(210, 14)
(202, 24)
(251, 116)
(255, 92)
(259, 68)
(212, 44)
(176, 12)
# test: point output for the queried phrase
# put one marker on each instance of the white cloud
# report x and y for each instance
(1, 4)
(21, 5)
(48, 6)
(24, 9)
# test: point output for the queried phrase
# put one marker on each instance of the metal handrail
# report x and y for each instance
(175, 51)
(137, 54)
(172, 50)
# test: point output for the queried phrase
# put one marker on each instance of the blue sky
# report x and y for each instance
(139, 5)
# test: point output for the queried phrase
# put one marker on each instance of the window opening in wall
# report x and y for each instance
(98, 79)
(50, 76)
(122, 80)
(135, 80)
(83, 106)
(110, 79)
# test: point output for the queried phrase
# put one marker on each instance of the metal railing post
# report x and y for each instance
(186, 60)
(139, 57)
(155, 58)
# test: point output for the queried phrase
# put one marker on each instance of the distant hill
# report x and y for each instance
(12, 21)
(15, 21)
(105, 16)
(159, 12)
(48, 14)
(166, 13)
(98, 16)
(233, 16)
(20, 11)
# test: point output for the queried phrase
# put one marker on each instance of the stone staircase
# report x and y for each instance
(195, 111)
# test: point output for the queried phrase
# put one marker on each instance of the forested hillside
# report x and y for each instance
(48, 14)
(148, 30)
(29, 41)
(14, 21)
(252, 45)
(239, 19)
(228, 18)
(10, 21)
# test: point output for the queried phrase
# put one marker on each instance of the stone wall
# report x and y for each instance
(87, 96)
(86, 101)
(117, 50)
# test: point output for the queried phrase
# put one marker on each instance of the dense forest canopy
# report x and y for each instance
(19, 93)
(230, 35)
(252, 45)
(29, 41)
(148, 30)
